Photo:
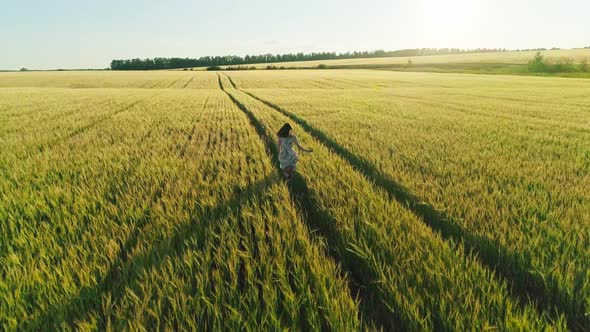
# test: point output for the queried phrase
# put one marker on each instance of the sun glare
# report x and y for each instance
(451, 23)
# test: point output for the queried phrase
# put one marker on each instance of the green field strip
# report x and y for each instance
(365, 254)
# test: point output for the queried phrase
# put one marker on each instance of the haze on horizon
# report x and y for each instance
(72, 34)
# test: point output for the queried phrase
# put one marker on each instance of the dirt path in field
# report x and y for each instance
(173, 82)
(523, 283)
(189, 82)
(157, 83)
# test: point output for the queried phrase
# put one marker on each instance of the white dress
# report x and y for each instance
(287, 156)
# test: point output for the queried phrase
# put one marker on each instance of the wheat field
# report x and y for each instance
(153, 200)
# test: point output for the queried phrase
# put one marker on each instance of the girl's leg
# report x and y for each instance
(289, 170)
(285, 171)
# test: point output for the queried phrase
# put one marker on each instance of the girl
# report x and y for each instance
(287, 156)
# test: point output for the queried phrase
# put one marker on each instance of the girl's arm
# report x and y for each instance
(299, 145)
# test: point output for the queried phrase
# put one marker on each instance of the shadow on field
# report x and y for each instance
(524, 283)
(126, 270)
(363, 279)
(364, 283)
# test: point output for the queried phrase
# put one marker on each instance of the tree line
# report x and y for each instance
(234, 60)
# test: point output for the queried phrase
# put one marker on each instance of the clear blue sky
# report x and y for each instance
(89, 34)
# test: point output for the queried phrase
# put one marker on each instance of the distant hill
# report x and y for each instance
(508, 57)
(558, 62)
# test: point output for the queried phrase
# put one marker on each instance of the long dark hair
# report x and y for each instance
(284, 131)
